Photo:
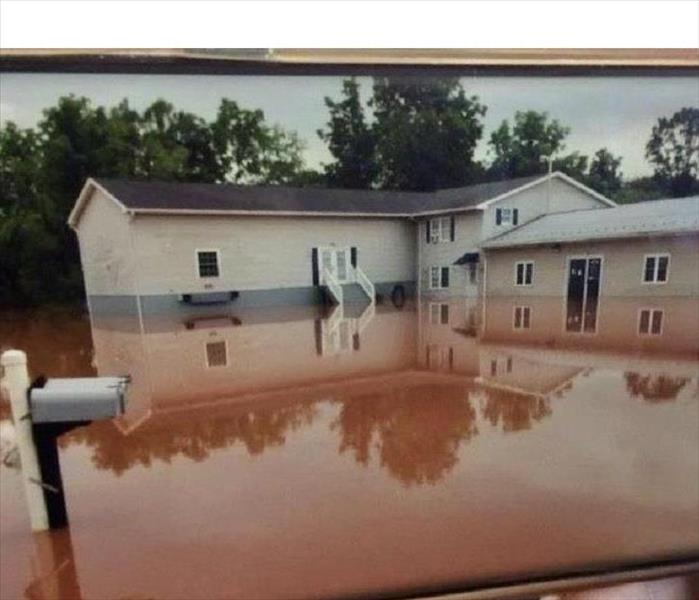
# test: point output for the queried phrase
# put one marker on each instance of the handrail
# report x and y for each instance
(366, 284)
(366, 317)
(333, 285)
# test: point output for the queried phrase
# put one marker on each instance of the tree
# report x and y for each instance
(250, 151)
(19, 152)
(425, 132)
(350, 140)
(604, 175)
(43, 172)
(524, 148)
(673, 149)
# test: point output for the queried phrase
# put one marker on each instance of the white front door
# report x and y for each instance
(337, 261)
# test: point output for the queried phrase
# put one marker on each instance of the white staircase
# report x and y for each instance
(366, 285)
(337, 328)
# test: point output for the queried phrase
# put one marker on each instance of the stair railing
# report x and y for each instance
(366, 284)
(366, 317)
(333, 285)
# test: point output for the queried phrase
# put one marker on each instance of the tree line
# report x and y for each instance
(409, 135)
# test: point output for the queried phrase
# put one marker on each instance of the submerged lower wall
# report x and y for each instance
(158, 304)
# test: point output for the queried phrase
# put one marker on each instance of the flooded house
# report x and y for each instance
(149, 247)
(626, 269)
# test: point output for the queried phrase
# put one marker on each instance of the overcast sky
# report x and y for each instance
(613, 112)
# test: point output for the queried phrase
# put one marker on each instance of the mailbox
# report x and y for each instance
(78, 399)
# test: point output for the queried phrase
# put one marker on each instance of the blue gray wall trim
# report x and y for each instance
(163, 304)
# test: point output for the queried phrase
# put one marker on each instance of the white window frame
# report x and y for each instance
(440, 230)
(196, 263)
(206, 354)
(651, 311)
(525, 263)
(655, 268)
(521, 308)
(440, 286)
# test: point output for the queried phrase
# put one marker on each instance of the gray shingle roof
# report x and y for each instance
(675, 215)
(167, 196)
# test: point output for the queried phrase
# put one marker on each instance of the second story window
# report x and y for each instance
(439, 278)
(208, 263)
(524, 273)
(656, 268)
(440, 230)
(506, 216)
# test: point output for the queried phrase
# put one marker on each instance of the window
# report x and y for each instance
(439, 314)
(524, 273)
(440, 230)
(440, 358)
(522, 317)
(216, 354)
(493, 367)
(506, 216)
(439, 278)
(509, 364)
(207, 261)
(656, 268)
(650, 321)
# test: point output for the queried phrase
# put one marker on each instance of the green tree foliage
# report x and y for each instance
(673, 149)
(523, 148)
(604, 174)
(43, 171)
(421, 136)
(250, 151)
(350, 140)
(426, 133)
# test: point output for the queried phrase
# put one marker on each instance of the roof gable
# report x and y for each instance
(655, 217)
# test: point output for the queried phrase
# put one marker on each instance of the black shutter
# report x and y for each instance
(353, 256)
(515, 216)
(427, 229)
(453, 229)
(355, 341)
(498, 216)
(314, 265)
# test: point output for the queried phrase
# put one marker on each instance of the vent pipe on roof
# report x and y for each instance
(548, 183)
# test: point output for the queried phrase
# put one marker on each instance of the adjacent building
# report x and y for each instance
(644, 254)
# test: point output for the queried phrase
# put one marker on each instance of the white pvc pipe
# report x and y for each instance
(16, 382)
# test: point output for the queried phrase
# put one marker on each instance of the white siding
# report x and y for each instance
(467, 228)
(545, 197)
(622, 267)
(264, 252)
(104, 234)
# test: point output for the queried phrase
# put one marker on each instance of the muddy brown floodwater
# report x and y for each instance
(284, 453)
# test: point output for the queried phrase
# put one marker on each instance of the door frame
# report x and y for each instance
(347, 250)
(586, 258)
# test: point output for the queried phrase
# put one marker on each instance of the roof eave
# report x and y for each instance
(610, 238)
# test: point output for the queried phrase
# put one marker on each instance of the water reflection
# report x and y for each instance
(654, 388)
(404, 433)
(455, 410)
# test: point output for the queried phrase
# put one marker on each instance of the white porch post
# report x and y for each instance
(16, 382)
